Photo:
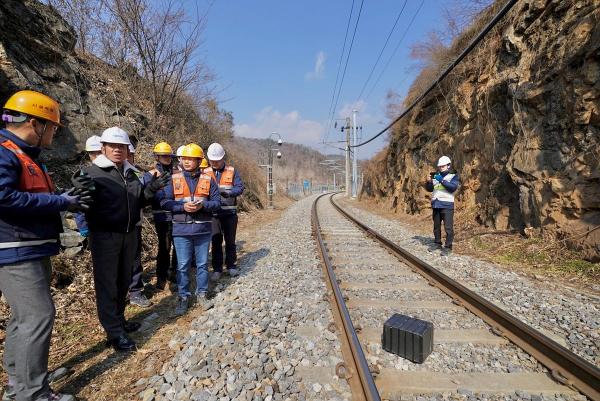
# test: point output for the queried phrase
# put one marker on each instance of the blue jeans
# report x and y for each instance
(186, 248)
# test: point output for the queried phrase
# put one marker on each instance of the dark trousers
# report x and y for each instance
(113, 255)
(165, 262)
(228, 223)
(137, 285)
(447, 216)
(26, 286)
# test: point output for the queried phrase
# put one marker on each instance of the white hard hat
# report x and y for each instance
(179, 151)
(131, 149)
(215, 151)
(93, 144)
(444, 160)
(115, 135)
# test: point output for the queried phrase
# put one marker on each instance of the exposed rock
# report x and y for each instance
(520, 118)
(42, 57)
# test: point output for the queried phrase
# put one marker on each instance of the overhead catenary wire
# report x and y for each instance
(347, 59)
(387, 64)
(448, 69)
(329, 117)
(382, 49)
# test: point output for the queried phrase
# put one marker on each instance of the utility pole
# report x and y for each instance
(354, 156)
(269, 166)
(270, 178)
(348, 178)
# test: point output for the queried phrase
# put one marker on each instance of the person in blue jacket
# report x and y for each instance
(230, 187)
(30, 227)
(192, 197)
(443, 184)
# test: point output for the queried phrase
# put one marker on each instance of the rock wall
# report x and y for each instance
(37, 52)
(520, 118)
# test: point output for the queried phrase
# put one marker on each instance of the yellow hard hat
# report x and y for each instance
(192, 150)
(204, 163)
(163, 148)
(34, 104)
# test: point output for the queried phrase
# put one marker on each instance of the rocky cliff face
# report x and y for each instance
(37, 52)
(520, 118)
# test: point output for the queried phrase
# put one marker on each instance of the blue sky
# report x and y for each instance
(276, 63)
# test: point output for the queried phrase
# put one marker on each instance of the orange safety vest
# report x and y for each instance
(33, 178)
(181, 190)
(226, 183)
(211, 172)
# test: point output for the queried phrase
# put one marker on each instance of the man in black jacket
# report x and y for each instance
(119, 197)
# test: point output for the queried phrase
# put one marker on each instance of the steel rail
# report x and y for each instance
(364, 388)
(565, 366)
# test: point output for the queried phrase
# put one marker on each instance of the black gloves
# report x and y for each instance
(225, 194)
(82, 179)
(156, 183)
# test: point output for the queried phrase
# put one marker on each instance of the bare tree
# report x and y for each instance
(84, 17)
(163, 46)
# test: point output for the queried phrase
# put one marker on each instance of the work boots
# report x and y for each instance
(182, 306)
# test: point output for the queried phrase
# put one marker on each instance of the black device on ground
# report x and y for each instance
(408, 337)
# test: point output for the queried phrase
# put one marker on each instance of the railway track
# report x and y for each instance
(479, 349)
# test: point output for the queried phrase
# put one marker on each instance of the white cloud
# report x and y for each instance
(289, 125)
(319, 70)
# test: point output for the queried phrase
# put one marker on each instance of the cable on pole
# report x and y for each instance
(464, 53)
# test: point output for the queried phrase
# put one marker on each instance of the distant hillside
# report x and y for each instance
(297, 164)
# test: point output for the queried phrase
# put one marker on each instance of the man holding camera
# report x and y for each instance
(443, 184)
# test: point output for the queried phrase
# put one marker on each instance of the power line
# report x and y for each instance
(347, 59)
(329, 118)
(464, 53)
(382, 49)
(395, 49)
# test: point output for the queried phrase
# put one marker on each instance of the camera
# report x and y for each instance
(432, 174)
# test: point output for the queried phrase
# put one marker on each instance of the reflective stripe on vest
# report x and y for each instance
(20, 244)
(181, 192)
(226, 183)
(33, 178)
(440, 192)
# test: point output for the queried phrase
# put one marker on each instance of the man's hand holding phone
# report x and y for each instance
(193, 206)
